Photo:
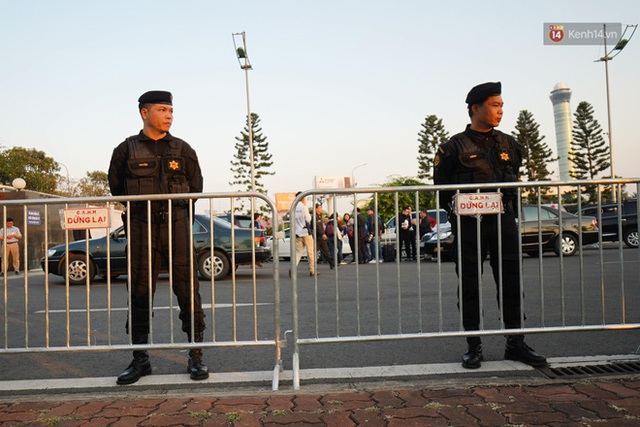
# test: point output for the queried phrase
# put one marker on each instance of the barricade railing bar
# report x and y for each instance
(99, 317)
(407, 300)
(399, 301)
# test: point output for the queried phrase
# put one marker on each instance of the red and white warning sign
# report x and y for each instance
(83, 218)
(478, 203)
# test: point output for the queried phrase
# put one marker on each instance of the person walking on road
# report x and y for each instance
(482, 154)
(321, 237)
(304, 238)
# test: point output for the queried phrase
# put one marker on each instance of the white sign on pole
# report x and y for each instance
(478, 203)
(83, 218)
(332, 182)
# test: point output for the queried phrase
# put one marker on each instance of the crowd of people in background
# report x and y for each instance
(363, 231)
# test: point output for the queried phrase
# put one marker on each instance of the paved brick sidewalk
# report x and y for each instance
(595, 402)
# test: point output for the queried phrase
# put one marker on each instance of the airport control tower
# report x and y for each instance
(560, 96)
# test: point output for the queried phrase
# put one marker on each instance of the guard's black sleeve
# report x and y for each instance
(118, 170)
(443, 170)
(194, 173)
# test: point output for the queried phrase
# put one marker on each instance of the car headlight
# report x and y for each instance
(51, 252)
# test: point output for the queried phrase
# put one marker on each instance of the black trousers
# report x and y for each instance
(323, 247)
(468, 266)
(185, 279)
(408, 240)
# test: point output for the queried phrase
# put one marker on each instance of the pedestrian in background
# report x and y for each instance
(349, 230)
(304, 236)
(374, 221)
(11, 234)
(257, 221)
(406, 225)
(334, 233)
(321, 237)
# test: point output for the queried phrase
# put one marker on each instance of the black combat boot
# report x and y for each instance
(140, 366)
(196, 369)
(472, 358)
(516, 349)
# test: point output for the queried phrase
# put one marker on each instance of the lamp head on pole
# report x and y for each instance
(621, 44)
(241, 51)
(19, 184)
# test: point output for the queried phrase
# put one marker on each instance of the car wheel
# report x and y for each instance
(631, 238)
(218, 266)
(78, 269)
(569, 245)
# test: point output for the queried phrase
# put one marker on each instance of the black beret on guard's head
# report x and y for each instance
(478, 94)
(155, 97)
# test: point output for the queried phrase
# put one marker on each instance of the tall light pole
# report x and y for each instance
(243, 60)
(68, 178)
(608, 56)
(353, 178)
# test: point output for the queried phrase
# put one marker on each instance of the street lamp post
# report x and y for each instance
(608, 56)
(243, 60)
(353, 178)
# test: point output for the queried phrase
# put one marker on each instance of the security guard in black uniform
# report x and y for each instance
(482, 154)
(156, 162)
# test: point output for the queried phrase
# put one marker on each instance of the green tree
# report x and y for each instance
(387, 201)
(241, 163)
(590, 152)
(39, 171)
(536, 155)
(94, 183)
(430, 137)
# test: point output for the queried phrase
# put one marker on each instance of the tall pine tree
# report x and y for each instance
(241, 163)
(430, 137)
(590, 152)
(536, 154)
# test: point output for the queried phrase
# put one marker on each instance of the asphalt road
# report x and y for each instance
(361, 300)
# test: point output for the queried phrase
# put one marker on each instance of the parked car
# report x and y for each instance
(550, 231)
(284, 245)
(240, 220)
(610, 218)
(219, 265)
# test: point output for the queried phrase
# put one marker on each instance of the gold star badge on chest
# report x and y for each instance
(174, 165)
(504, 156)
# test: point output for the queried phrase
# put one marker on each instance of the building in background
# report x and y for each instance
(560, 97)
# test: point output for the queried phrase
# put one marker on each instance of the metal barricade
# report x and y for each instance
(55, 317)
(406, 300)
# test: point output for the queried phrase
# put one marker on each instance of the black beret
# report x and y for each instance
(480, 93)
(156, 97)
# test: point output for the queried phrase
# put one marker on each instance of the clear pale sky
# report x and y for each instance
(336, 83)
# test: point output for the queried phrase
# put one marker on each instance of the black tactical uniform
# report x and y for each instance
(475, 157)
(158, 176)
(485, 157)
(139, 166)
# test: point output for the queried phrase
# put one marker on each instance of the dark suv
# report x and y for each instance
(611, 218)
